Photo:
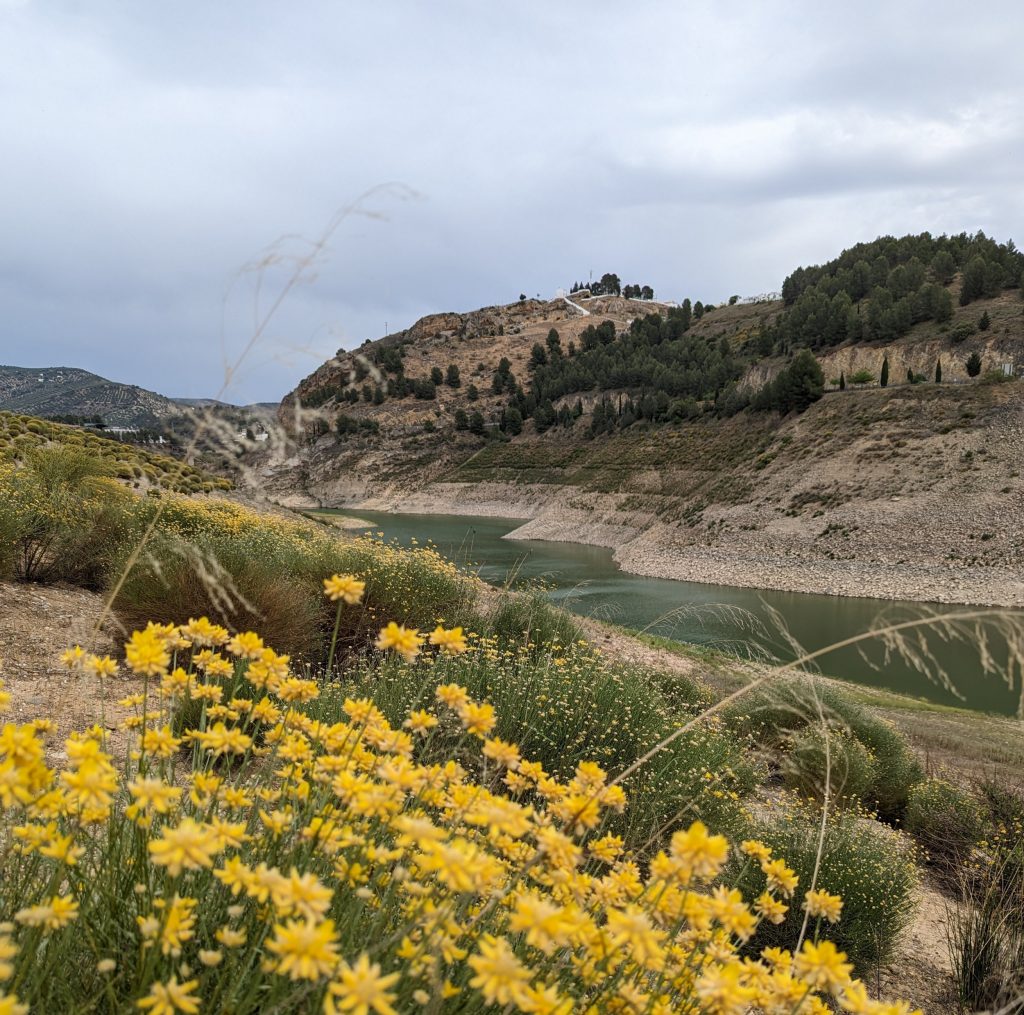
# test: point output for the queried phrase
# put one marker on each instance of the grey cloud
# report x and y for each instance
(707, 148)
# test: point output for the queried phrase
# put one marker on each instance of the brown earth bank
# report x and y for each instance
(904, 493)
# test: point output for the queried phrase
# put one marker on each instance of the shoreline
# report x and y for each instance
(639, 551)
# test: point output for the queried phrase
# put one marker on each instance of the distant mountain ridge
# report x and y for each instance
(71, 391)
(64, 391)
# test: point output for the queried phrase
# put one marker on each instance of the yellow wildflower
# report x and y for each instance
(146, 654)
(360, 989)
(452, 642)
(344, 587)
(405, 641)
(820, 903)
(171, 997)
(500, 976)
(189, 845)
(306, 949)
(822, 966)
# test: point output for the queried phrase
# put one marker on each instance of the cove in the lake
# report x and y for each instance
(586, 580)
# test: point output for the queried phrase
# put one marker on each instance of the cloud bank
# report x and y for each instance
(151, 153)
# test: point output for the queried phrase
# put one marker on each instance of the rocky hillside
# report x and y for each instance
(911, 490)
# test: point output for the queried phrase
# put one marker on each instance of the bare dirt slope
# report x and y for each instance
(37, 623)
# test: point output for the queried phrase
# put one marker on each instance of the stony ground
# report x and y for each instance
(37, 623)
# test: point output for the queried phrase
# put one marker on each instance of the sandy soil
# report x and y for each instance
(37, 623)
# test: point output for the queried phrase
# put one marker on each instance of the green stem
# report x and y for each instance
(334, 637)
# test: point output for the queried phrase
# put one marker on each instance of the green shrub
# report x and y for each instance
(962, 331)
(62, 517)
(771, 715)
(861, 861)
(820, 756)
(525, 616)
(246, 570)
(946, 820)
(562, 705)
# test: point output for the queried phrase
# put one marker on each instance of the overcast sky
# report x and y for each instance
(152, 153)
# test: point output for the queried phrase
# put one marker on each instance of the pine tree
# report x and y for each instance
(984, 321)
(973, 365)
(883, 380)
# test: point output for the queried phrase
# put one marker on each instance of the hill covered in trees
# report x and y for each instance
(621, 366)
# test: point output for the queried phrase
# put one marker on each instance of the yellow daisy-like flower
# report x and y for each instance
(819, 903)
(478, 718)
(306, 949)
(190, 846)
(699, 853)
(452, 642)
(505, 754)
(780, 877)
(10, 1005)
(52, 915)
(170, 997)
(822, 966)
(360, 989)
(420, 721)
(770, 908)
(73, 658)
(452, 695)
(146, 653)
(406, 641)
(344, 587)
(500, 976)
(246, 645)
(100, 666)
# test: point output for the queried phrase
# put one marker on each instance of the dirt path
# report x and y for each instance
(37, 623)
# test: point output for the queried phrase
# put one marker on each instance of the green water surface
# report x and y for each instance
(587, 581)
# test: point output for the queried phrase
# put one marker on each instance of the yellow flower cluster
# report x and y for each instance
(301, 860)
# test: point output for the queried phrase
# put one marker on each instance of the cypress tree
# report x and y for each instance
(910, 375)
(938, 371)
(884, 379)
(842, 380)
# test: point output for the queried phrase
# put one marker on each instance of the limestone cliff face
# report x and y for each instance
(997, 351)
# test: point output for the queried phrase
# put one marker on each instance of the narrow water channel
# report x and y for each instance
(587, 581)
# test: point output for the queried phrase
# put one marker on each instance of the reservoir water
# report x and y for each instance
(587, 581)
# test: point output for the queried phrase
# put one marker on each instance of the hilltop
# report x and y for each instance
(750, 443)
(68, 392)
